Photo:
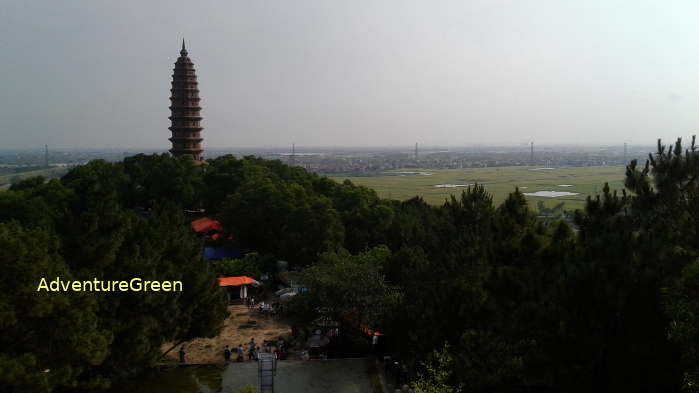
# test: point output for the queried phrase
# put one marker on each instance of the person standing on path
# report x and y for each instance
(375, 344)
(241, 353)
(256, 353)
(251, 349)
(227, 355)
(181, 354)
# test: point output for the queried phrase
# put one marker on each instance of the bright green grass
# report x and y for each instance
(499, 181)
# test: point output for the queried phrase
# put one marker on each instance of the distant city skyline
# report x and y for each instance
(525, 147)
(80, 74)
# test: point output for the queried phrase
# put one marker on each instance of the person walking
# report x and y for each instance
(256, 354)
(251, 349)
(375, 344)
(227, 355)
(181, 354)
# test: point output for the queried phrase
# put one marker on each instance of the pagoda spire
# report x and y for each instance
(184, 105)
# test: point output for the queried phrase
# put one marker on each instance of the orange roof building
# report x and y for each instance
(236, 287)
(235, 281)
(206, 224)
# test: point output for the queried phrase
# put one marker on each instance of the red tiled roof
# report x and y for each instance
(235, 281)
(206, 225)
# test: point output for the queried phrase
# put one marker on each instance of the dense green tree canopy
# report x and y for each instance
(82, 228)
(349, 288)
(47, 339)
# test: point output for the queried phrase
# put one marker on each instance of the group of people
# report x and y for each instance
(250, 302)
(252, 350)
(264, 307)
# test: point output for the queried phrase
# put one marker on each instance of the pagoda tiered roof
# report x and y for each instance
(184, 108)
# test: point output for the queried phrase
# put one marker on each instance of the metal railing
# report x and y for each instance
(266, 371)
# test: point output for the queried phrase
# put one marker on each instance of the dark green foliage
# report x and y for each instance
(252, 265)
(682, 304)
(81, 228)
(43, 331)
(282, 219)
(30, 183)
(349, 288)
(436, 375)
(154, 179)
(366, 218)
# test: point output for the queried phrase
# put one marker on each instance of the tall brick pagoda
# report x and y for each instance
(184, 101)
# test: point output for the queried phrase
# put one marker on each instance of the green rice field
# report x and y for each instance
(6, 178)
(499, 181)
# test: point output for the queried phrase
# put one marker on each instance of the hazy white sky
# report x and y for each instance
(97, 73)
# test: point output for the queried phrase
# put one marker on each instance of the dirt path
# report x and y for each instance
(241, 325)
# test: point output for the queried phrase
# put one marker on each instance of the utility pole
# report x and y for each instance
(531, 155)
(46, 155)
(625, 156)
(292, 160)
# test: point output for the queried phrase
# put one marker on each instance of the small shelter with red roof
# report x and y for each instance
(206, 225)
(237, 286)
